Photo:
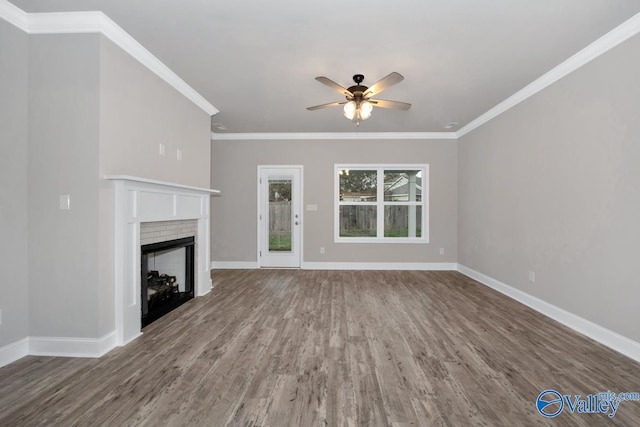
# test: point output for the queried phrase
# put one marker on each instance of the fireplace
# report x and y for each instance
(140, 202)
(167, 279)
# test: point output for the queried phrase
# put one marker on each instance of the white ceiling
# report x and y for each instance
(256, 61)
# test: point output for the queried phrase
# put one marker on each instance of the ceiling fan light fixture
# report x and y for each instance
(365, 110)
(350, 109)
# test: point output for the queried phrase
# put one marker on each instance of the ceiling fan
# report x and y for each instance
(359, 102)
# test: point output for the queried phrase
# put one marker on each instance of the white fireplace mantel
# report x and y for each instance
(139, 200)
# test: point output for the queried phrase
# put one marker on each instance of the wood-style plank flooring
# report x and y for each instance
(337, 348)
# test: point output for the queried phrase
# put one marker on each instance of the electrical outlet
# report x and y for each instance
(322, 250)
(532, 277)
(441, 251)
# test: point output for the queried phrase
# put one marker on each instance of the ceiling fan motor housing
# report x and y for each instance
(357, 90)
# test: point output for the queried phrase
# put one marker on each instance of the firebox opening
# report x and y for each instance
(167, 277)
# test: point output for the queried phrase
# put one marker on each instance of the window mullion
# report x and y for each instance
(380, 199)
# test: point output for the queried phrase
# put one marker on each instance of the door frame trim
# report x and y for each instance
(259, 207)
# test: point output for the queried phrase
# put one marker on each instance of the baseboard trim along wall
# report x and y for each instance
(426, 266)
(97, 347)
(14, 351)
(248, 265)
(57, 346)
(596, 332)
(233, 265)
(72, 347)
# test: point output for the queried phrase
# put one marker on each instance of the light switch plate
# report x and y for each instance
(65, 202)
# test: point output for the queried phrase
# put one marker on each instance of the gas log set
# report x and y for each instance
(160, 288)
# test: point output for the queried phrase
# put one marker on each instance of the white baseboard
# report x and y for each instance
(248, 265)
(379, 266)
(72, 347)
(107, 343)
(233, 265)
(133, 338)
(596, 332)
(14, 351)
(57, 346)
(97, 347)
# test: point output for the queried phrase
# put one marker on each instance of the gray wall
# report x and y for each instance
(63, 159)
(139, 111)
(234, 172)
(73, 108)
(14, 293)
(553, 186)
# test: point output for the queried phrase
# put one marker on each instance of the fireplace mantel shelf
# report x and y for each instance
(163, 183)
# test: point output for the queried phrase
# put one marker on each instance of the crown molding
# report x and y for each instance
(331, 135)
(613, 38)
(68, 22)
(98, 22)
(14, 15)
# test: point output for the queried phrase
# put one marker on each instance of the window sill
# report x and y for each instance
(392, 240)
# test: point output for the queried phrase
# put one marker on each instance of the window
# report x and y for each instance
(381, 203)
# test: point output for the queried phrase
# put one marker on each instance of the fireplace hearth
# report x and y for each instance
(167, 279)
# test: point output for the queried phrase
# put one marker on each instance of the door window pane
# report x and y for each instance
(358, 221)
(402, 186)
(280, 215)
(358, 185)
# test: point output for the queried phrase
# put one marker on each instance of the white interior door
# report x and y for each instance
(280, 216)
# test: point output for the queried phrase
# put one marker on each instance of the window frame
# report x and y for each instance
(380, 203)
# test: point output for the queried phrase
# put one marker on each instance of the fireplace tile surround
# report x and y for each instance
(160, 232)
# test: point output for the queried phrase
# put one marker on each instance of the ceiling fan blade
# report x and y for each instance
(333, 85)
(383, 83)
(331, 104)
(396, 105)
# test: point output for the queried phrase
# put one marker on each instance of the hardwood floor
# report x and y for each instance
(337, 348)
